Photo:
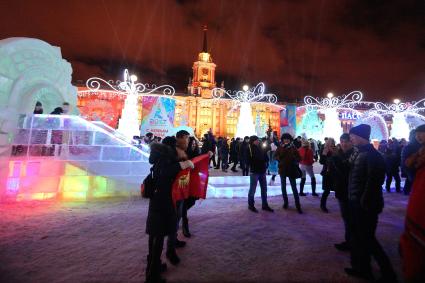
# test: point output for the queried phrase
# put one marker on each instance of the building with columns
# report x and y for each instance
(196, 108)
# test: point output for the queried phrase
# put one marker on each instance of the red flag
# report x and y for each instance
(193, 182)
(199, 177)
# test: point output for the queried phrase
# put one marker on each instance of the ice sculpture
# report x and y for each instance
(30, 70)
(377, 123)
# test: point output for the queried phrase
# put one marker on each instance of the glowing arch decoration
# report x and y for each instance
(346, 101)
(329, 106)
(129, 122)
(129, 86)
(250, 95)
(242, 99)
(405, 116)
(404, 107)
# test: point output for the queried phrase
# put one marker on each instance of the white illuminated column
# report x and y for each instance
(332, 125)
(400, 128)
(245, 126)
(129, 122)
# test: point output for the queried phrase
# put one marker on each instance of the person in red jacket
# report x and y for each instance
(412, 243)
(306, 166)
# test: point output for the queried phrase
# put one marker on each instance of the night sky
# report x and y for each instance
(297, 47)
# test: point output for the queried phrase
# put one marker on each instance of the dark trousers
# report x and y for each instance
(254, 179)
(224, 162)
(407, 186)
(324, 198)
(397, 179)
(156, 244)
(345, 212)
(245, 169)
(293, 183)
(212, 158)
(218, 162)
(235, 162)
(364, 243)
(172, 238)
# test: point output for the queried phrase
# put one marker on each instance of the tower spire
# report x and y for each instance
(205, 47)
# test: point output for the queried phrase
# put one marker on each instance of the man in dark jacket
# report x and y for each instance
(407, 151)
(339, 168)
(366, 178)
(162, 218)
(258, 162)
(244, 156)
(234, 152)
(288, 157)
(392, 164)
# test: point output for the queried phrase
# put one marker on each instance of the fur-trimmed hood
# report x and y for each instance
(161, 151)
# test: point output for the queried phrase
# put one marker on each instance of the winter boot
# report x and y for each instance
(313, 187)
(302, 187)
(185, 228)
(285, 202)
(172, 257)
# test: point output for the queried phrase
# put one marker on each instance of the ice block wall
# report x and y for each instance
(68, 158)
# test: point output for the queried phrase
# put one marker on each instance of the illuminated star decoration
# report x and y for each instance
(254, 94)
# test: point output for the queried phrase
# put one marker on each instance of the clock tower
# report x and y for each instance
(203, 80)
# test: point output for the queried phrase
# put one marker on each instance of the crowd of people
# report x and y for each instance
(353, 169)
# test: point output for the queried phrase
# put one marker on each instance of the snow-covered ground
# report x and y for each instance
(105, 242)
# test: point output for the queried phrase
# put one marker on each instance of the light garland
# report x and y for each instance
(346, 101)
(404, 107)
(128, 86)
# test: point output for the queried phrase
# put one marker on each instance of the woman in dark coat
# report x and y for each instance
(161, 220)
(328, 150)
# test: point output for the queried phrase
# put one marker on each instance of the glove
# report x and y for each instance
(191, 165)
(186, 164)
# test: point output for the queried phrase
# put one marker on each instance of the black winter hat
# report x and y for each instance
(286, 136)
(362, 130)
(420, 129)
(345, 137)
(252, 139)
(38, 103)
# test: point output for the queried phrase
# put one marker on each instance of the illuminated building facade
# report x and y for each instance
(196, 108)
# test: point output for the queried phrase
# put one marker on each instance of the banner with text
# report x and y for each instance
(157, 115)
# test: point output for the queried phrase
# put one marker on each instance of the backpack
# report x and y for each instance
(148, 187)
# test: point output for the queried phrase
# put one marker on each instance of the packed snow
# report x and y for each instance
(105, 242)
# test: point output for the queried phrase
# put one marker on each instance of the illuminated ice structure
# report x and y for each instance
(379, 129)
(243, 99)
(68, 158)
(405, 116)
(31, 70)
(329, 106)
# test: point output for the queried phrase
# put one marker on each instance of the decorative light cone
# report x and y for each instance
(332, 125)
(245, 125)
(400, 127)
(129, 122)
